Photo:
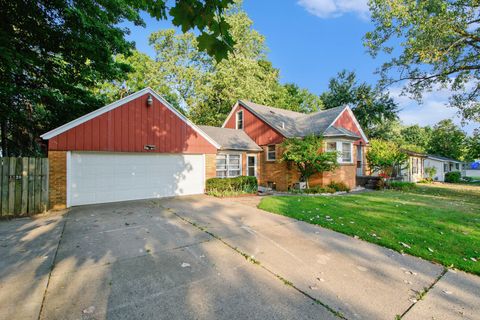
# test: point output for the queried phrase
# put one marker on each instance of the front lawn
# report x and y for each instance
(439, 222)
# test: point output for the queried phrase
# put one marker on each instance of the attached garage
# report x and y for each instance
(111, 177)
(139, 147)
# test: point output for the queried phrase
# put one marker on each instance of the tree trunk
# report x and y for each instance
(3, 134)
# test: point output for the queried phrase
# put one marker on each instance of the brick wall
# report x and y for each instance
(284, 175)
(210, 166)
(57, 179)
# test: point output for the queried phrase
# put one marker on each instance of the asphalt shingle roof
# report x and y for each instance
(296, 124)
(231, 139)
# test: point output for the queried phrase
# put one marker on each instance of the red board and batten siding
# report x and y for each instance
(131, 126)
(255, 128)
(346, 121)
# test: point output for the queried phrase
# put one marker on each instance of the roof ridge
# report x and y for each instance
(271, 107)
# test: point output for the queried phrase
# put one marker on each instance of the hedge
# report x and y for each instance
(237, 184)
(453, 176)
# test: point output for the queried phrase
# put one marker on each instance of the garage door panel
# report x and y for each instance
(109, 177)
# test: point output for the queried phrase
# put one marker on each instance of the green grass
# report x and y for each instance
(439, 222)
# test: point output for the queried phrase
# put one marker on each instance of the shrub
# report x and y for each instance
(231, 186)
(431, 172)
(338, 186)
(453, 176)
(401, 185)
(426, 180)
(319, 189)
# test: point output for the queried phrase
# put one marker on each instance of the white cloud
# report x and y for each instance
(335, 8)
(433, 109)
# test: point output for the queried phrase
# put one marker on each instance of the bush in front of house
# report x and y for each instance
(338, 186)
(453, 176)
(221, 187)
(401, 185)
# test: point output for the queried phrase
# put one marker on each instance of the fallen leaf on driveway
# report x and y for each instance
(184, 265)
(89, 310)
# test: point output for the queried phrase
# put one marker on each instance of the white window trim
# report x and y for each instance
(339, 149)
(227, 169)
(236, 120)
(255, 167)
(267, 155)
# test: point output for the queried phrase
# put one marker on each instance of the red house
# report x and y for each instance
(140, 147)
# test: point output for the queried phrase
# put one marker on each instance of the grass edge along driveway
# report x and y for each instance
(439, 222)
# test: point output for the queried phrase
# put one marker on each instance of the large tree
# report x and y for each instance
(53, 52)
(372, 108)
(439, 48)
(204, 88)
(473, 146)
(447, 140)
(417, 136)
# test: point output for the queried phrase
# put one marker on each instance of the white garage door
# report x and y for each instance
(110, 177)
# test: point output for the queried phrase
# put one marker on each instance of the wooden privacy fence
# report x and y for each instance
(23, 186)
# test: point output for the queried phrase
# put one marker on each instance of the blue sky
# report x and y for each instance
(311, 40)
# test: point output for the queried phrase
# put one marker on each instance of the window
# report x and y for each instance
(331, 146)
(457, 166)
(251, 165)
(414, 166)
(445, 167)
(271, 154)
(239, 118)
(229, 165)
(346, 152)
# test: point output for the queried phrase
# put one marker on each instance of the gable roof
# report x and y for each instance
(296, 124)
(231, 139)
(55, 132)
(441, 158)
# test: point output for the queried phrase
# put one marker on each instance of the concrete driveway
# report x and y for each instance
(203, 258)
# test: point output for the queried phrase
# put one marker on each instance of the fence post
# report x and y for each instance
(11, 185)
(24, 207)
(31, 185)
(4, 182)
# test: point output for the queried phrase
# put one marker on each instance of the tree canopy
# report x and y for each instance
(204, 88)
(447, 140)
(372, 108)
(385, 156)
(53, 52)
(439, 48)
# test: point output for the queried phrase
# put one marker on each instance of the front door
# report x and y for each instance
(252, 165)
(359, 161)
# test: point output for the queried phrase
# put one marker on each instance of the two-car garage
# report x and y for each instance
(110, 177)
(139, 147)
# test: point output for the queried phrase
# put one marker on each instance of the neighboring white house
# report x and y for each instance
(443, 165)
(414, 170)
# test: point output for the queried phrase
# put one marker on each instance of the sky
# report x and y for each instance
(310, 41)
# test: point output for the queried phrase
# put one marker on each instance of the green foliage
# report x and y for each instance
(439, 48)
(473, 146)
(453, 176)
(318, 190)
(430, 171)
(372, 108)
(401, 185)
(416, 135)
(447, 140)
(338, 186)
(231, 186)
(206, 89)
(383, 156)
(52, 53)
(307, 155)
